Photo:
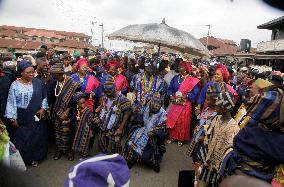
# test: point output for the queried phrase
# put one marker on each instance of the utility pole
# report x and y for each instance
(208, 34)
(93, 29)
(102, 25)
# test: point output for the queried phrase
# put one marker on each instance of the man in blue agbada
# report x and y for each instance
(146, 144)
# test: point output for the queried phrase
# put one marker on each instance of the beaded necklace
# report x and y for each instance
(150, 83)
(60, 86)
(108, 110)
(81, 79)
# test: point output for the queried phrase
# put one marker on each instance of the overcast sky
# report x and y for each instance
(231, 20)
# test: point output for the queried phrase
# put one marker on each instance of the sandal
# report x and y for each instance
(180, 143)
(157, 169)
(83, 157)
(169, 141)
(70, 156)
(34, 163)
(57, 155)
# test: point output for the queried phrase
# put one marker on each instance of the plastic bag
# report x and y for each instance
(16, 161)
(6, 156)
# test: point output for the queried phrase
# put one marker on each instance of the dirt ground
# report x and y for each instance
(51, 173)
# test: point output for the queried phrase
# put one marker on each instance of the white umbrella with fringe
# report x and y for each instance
(162, 35)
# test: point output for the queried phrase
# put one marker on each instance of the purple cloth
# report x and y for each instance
(101, 170)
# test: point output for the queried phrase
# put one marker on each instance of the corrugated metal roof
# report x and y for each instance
(25, 29)
(271, 24)
(223, 46)
(16, 44)
(40, 33)
(33, 45)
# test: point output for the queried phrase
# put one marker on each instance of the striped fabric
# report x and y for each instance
(63, 100)
(106, 138)
(62, 136)
(264, 108)
(225, 100)
(63, 132)
(216, 88)
(219, 138)
(83, 133)
(259, 143)
(108, 143)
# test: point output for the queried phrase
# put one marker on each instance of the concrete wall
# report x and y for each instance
(278, 33)
(271, 46)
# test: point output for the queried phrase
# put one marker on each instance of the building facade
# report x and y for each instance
(22, 39)
(271, 52)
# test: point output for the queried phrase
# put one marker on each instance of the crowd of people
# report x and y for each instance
(230, 119)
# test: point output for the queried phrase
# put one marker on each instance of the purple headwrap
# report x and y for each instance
(101, 170)
(22, 65)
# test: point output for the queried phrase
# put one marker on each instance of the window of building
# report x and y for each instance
(33, 38)
(51, 39)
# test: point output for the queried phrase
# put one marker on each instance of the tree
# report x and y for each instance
(11, 50)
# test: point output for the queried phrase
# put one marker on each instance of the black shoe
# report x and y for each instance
(57, 155)
(70, 156)
(157, 169)
(130, 165)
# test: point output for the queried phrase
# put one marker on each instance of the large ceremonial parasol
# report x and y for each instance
(161, 35)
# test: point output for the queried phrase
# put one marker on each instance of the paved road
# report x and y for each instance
(52, 173)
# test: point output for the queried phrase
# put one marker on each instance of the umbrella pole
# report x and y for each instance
(158, 56)
(159, 50)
